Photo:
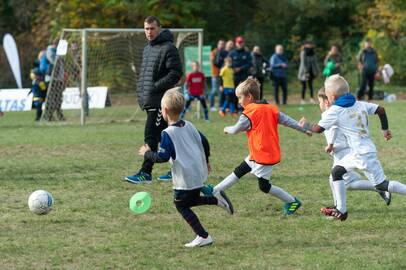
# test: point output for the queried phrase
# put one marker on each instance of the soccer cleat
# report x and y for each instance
(224, 202)
(386, 196)
(336, 214)
(200, 242)
(290, 208)
(165, 177)
(221, 113)
(327, 210)
(207, 190)
(139, 178)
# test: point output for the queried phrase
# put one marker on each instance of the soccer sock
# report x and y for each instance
(226, 183)
(281, 194)
(330, 181)
(397, 187)
(339, 190)
(361, 185)
(193, 221)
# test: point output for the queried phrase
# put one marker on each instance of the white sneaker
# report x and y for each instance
(302, 102)
(312, 101)
(200, 242)
(213, 109)
(224, 202)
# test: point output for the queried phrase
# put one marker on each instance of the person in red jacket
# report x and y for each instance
(196, 85)
(260, 121)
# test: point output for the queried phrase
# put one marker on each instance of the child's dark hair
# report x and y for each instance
(322, 93)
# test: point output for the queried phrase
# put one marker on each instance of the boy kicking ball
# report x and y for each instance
(260, 120)
(337, 146)
(351, 118)
(188, 151)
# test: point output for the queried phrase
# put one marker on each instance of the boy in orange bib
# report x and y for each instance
(260, 121)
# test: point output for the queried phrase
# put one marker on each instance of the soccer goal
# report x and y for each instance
(95, 75)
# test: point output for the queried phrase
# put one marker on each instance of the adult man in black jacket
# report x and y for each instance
(161, 69)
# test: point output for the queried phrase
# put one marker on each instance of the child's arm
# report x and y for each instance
(387, 133)
(288, 121)
(243, 124)
(206, 147)
(165, 152)
(315, 128)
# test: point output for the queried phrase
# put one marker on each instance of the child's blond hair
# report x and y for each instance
(174, 101)
(322, 93)
(336, 85)
(249, 86)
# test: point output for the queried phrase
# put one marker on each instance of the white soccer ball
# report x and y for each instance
(40, 202)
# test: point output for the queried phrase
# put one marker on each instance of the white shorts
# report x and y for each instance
(350, 177)
(259, 170)
(368, 163)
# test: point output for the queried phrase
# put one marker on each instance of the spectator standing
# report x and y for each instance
(242, 63)
(367, 65)
(259, 64)
(216, 60)
(308, 69)
(161, 69)
(334, 57)
(279, 65)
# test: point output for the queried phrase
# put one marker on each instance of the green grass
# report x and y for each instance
(91, 226)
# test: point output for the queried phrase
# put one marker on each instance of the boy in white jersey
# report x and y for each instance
(337, 146)
(351, 118)
(188, 151)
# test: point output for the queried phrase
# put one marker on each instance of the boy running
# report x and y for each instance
(337, 146)
(188, 151)
(351, 118)
(260, 120)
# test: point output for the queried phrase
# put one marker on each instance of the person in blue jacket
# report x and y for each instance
(279, 64)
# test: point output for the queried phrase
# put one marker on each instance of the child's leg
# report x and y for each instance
(339, 187)
(266, 187)
(353, 182)
(206, 111)
(230, 180)
(187, 105)
(184, 200)
(230, 97)
(330, 181)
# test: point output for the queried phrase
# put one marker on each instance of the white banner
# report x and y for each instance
(15, 100)
(97, 97)
(10, 48)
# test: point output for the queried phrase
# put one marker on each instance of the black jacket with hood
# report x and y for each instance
(161, 69)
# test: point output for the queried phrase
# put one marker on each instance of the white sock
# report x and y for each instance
(361, 185)
(339, 190)
(281, 194)
(397, 187)
(226, 183)
(330, 181)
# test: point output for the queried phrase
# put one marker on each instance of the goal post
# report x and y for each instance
(95, 78)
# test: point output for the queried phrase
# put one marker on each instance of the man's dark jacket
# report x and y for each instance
(161, 69)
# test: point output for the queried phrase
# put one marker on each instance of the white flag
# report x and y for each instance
(10, 48)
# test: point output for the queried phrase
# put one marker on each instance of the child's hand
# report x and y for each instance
(221, 88)
(329, 148)
(387, 134)
(302, 122)
(143, 149)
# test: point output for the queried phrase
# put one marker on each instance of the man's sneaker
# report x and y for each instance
(290, 208)
(213, 109)
(327, 210)
(139, 178)
(336, 214)
(200, 242)
(166, 177)
(224, 202)
(386, 196)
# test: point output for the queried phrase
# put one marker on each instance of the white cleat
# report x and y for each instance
(224, 202)
(200, 242)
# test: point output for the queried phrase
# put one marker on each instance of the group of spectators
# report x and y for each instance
(41, 76)
(244, 63)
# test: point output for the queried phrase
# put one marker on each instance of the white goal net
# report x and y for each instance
(94, 78)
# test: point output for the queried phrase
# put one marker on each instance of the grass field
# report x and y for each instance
(91, 226)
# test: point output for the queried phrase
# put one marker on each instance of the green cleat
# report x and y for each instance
(290, 208)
